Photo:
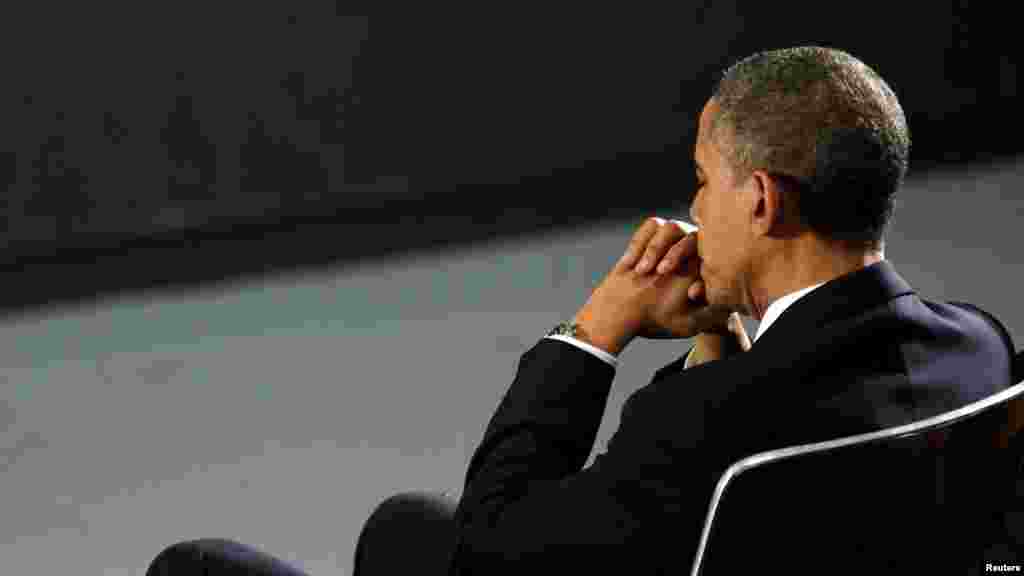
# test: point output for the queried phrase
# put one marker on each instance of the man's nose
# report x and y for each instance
(693, 213)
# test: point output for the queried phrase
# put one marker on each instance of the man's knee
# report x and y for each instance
(416, 525)
(438, 506)
(218, 556)
(412, 511)
(176, 557)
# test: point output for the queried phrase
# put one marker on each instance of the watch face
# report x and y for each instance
(562, 329)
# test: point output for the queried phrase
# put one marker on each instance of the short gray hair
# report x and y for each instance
(829, 123)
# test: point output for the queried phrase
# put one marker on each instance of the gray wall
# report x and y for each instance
(279, 412)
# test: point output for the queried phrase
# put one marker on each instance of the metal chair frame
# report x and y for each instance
(777, 455)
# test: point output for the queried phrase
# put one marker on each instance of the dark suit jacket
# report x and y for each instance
(859, 353)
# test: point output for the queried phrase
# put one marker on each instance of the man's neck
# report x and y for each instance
(800, 264)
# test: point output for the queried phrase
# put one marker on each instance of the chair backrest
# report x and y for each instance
(929, 495)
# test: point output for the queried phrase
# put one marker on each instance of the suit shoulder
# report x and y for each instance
(991, 319)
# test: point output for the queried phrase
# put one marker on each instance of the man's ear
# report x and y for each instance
(766, 204)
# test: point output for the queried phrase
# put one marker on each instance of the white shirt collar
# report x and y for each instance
(776, 308)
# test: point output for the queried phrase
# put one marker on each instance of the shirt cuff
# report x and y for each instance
(602, 354)
(689, 358)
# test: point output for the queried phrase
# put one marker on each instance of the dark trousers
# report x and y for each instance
(409, 533)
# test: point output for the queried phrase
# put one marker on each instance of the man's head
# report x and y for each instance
(799, 153)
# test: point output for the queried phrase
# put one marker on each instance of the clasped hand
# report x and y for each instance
(641, 299)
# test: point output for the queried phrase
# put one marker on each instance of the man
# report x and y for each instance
(799, 154)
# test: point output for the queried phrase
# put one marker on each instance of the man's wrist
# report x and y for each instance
(610, 336)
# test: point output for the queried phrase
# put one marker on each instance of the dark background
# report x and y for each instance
(154, 146)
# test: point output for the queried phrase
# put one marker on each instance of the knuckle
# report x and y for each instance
(660, 249)
(644, 233)
(662, 240)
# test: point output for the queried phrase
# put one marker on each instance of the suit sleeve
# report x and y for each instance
(602, 354)
(527, 504)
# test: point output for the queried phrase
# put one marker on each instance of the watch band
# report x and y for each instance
(565, 329)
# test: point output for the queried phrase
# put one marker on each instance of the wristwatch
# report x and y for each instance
(565, 329)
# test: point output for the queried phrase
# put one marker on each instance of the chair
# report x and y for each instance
(935, 496)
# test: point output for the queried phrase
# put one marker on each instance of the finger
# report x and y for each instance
(686, 226)
(689, 266)
(678, 253)
(665, 237)
(638, 244)
(736, 327)
(696, 290)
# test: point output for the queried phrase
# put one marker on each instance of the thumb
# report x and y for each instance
(703, 318)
